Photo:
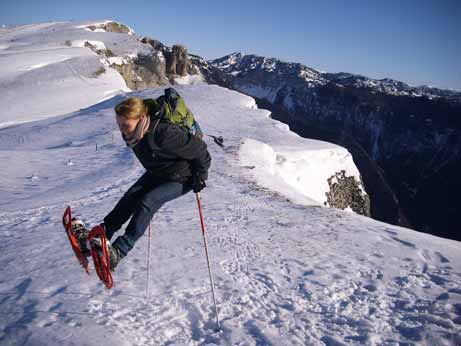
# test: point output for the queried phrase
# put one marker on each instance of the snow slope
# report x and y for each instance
(52, 57)
(286, 273)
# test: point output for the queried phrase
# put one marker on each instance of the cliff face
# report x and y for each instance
(406, 139)
(154, 65)
(411, 139)
(156, 69)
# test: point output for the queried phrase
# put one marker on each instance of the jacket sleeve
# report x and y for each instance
(189, 147)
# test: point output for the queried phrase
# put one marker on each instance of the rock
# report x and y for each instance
(157, 45)
(112, 27)
(347, 192)
(177, 60)
(160, 68)
(144, 71)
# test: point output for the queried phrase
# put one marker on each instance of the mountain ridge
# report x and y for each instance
(386, 85)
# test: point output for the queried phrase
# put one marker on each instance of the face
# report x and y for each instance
(126, 126)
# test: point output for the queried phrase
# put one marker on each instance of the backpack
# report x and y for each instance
(172, 107)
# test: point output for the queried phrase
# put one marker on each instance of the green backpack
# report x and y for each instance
(171, 107)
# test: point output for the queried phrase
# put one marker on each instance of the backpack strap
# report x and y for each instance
(155, 125)
(154, 121)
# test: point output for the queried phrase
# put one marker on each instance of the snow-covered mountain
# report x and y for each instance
(287, 269)
(56, 57)
(239, 63)
(100, 59)
(406, 141)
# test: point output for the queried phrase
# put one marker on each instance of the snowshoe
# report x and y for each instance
(114, 252)
(81, 233)
(73, 239)
(102, 251)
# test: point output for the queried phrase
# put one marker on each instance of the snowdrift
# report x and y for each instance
(49, 69)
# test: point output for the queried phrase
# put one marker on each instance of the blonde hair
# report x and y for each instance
(131, 108)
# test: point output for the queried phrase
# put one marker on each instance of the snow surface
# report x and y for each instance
(287, 270)
(285, 273)
(296, 167)
(52, 57)
(190, 79)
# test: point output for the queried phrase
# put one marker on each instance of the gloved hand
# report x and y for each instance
(198, 183)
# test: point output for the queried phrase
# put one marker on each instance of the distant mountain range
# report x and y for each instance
(405, 140)
(239, 64)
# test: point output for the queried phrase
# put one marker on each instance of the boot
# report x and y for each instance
(81, 233)
(114, 253)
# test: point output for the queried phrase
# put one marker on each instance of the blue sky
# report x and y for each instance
(416, 41)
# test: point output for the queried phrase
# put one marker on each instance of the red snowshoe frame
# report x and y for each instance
(101, 260)
(67, 223)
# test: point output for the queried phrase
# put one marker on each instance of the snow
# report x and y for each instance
(117, 60)
(296, 167)
(269, 64)
(285, 273)
(94, 23)
(81, 43)
(190, 79)
(50, 58)
(260, 92)
(312, 77)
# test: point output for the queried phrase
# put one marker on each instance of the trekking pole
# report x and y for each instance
(148, 263)
(217, 139)
(207, 258)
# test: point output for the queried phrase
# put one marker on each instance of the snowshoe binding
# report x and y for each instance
(81, 233)
(105, 256)
(114, 252)
(68, 224)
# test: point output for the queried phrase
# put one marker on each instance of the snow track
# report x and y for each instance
(285, 274)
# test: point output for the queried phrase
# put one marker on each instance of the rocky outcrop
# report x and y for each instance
(347, 192)
(144, 71)
(159, 68)
(112, 27)
(157, 65)
(157, 45)
(104, 52)
(177, 60)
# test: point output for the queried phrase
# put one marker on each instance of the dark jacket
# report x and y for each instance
(172, 154)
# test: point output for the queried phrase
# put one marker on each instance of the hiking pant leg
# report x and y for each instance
(146, 207)
(127, 204)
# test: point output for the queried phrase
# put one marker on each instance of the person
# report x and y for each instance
(176, 163)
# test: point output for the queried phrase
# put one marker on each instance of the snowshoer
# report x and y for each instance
(176, 162)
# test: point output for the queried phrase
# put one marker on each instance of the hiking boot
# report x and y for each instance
(115, 257)
(114, 252)
(81, 233)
